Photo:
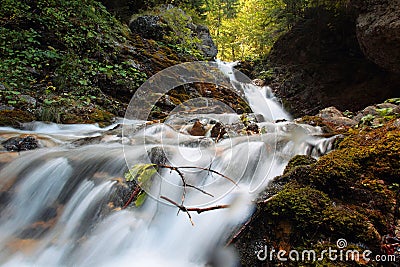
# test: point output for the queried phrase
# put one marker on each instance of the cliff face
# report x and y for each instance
(378, 31)
(346, 58)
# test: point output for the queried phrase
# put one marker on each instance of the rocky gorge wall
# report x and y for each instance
(348, 58)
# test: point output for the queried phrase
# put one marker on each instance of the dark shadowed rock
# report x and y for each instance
(378, 32)
(319, 63)
(21, 143)
(149, 27)
(218, 130)
(207, 45)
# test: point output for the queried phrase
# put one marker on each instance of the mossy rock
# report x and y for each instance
(298, 160)
(102, 117)
(351, 193)
(14, 117)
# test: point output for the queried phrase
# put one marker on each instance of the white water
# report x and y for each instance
(261, 99)
(56, 202)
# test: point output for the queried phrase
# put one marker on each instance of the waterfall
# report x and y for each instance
(59, 203)
(261, 99)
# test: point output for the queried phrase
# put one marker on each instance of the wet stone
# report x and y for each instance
(218, 130)
(20, 143)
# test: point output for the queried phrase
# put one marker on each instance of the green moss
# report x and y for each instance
(14, 117)
(342, 221)
(301, 206)
(298, 160)
(350, 193)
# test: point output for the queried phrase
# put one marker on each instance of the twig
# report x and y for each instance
(199, 168)
(198, 210)
(133, 195)
(184, 183)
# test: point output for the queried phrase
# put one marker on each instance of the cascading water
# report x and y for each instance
(59, 204)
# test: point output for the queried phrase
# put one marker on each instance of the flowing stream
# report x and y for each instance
(60, 204)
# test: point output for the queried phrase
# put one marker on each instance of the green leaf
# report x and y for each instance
(384, 111)
(48, 101)
(140, 199)
(393, 100)
(141, 172)
(83, 82)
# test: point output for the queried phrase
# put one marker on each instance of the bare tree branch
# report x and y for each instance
(134, 194)
(199, 168)
(198, 210)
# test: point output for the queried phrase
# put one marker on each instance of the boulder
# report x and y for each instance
(378, 32)
(149, 27)
(207, 45)
(20, 143)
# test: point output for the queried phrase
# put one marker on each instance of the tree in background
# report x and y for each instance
(247, 29)
(244, 28)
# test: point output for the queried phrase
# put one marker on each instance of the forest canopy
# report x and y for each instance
(247, 29)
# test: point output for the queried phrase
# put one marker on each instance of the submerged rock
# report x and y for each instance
(198, 129)
(218, 130)
(20, 143)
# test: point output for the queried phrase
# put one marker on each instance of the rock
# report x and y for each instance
(2, 87)
(207, 45)
(259, 82)
(21, 143)
(28, 99)
(158, 156)
(329, 69)
(149, 27)
(386, 105)
(218, 130)
(87, 141)
(298, 160)
(370, 110)
(336, 119)
(330, 112)
(4, 107)
(252, 127)
(378, 32)
(197, 129)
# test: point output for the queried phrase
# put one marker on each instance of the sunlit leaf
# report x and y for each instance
(140, 199)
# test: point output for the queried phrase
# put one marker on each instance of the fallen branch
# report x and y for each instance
(134, 194)
(199, 168)
(142, 174)
(198, 210)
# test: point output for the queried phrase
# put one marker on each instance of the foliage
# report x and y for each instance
(182, 35)
(247, 29)
(142, 173)
(50, 47)
(393, 101)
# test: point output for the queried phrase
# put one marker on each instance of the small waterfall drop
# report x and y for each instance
(260, 98)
